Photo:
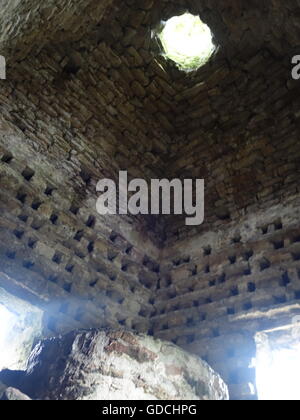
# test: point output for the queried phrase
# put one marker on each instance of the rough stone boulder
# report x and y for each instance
(106, 365)
(11, 394)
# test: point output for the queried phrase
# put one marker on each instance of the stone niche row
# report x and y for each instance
(74, 251)
(188, 316)
(263, 273)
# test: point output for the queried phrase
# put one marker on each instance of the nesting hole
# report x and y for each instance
(28, 174)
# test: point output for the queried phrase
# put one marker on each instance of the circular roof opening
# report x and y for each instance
(187, 41)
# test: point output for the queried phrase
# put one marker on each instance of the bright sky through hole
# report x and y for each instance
(187, 41)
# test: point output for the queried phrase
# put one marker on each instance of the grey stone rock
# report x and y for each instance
(108, 365)
(11, 394)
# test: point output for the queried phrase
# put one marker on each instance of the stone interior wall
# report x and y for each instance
(85, 270)
(220, 288)
(81, 269)
(87, 95)
(68, 121)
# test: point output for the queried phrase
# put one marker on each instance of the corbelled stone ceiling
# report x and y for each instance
(101, 58)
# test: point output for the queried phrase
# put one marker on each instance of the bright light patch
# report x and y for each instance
(187, 41)
(20, 326)
(7, 320)
(278, 375)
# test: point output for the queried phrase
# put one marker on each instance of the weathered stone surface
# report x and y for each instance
(105, 365)
(12, 394)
